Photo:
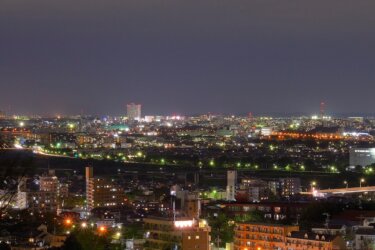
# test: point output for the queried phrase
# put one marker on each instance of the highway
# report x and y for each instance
(348, 190)
(351, 190)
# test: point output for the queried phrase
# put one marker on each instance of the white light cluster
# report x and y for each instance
(183, 223)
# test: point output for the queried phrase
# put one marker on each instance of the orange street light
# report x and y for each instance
(68, 222)
(102, 229)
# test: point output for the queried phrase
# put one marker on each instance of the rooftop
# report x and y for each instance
(311, 236)
(365, 231)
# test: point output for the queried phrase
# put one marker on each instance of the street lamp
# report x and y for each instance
(68, 222)
(313, 184)
(361, 181)
(212, 163)
(346, 183)
(102, 229)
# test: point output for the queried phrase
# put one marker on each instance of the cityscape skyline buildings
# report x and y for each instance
(211, 125)
(134, 111)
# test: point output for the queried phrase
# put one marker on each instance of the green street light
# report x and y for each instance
(212, 163)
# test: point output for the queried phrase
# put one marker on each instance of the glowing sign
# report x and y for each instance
(183, 223)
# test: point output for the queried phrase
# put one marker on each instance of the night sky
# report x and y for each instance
(187, 56)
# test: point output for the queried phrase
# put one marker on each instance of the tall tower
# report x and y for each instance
(322, 109)
(134, 111)
(231, 185)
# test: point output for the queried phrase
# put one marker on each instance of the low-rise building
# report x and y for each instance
(313, 241)
(181, 233)
(330, 229)
(364, 238)
(271, 210)
(254, 236)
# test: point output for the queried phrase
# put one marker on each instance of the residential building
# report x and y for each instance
(309, 240)
(253, 190)
(364, 238)
(271, 210)
(102, 192)
(254, 236)
(45, 199)
(49, 182)
(289, 186)
(361, 156)
(182, 233)
(231, 184)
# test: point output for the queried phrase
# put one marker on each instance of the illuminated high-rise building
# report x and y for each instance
(231, 184)
(289, 186)
(42, 200)
(49, 183)
(322, 109)
(134, 111)
(89, 173)
(102, 192)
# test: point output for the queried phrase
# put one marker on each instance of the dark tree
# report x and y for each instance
(71, 243)
(13, 171)
(4, 246)
(222, 229)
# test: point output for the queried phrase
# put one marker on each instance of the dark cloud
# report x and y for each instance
(187, 56)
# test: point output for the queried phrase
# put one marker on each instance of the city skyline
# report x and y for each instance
(8, 112)
(180, 125)
(263, 57)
